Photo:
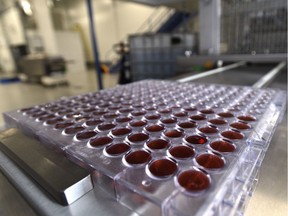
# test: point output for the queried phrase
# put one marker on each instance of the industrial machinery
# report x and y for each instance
(155, 55)
(39, 68)
(190, 145)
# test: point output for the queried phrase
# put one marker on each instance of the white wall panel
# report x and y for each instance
(113, 20)
(6, 60)
(13, 27)
(70, 47)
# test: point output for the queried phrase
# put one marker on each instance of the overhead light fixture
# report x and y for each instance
(26, 6)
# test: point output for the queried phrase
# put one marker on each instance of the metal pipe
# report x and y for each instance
(269, 76)
(211, 72)
(94, 44)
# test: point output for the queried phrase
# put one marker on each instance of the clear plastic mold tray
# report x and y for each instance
(163, 147)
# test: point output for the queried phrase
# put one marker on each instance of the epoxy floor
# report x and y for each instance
(19, 95)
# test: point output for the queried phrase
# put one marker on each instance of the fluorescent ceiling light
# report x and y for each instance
(26, 7)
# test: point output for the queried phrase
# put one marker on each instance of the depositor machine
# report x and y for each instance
(153, 147)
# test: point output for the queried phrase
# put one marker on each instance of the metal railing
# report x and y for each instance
(254, 27)
(155, 20)
(151, 24)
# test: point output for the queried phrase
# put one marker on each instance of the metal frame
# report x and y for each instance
(259, 5)
(259, 58)
(95, 202)
(94, 44)
(209, 26)
(269, 76)
(211, 72)
(264, 80)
